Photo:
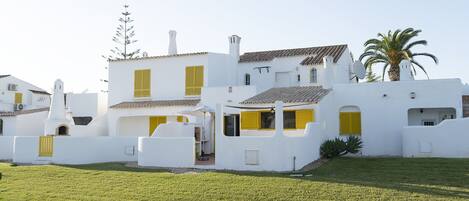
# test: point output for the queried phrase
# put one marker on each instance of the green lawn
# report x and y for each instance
(340, 179)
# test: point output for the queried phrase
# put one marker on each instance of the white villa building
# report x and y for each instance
(260, 111)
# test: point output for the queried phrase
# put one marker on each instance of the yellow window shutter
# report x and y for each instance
(181, 119)
(194, 80)
(18, 98)
(344, 119)
(355, 122)
(303, 117)
(142, 83)
(155, 121)
(146, 82)
(189, 81)
(250, 120)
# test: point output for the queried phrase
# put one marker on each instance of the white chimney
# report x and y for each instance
(234, 46)
(405, 73)
(328, 76)
(172, 49)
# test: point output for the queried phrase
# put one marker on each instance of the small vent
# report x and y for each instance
(252, 157)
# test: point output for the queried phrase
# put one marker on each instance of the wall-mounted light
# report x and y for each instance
(412, 95)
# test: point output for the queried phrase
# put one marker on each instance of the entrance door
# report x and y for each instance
(282, 79)
(155, 121)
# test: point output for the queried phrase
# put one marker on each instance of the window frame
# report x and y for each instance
(247, 79)
(194, 88)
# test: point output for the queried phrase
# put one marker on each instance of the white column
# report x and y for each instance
(278, 118)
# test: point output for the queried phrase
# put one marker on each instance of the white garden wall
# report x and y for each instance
(77, 150)
(6, 147)
(166, 151)
(450, 138)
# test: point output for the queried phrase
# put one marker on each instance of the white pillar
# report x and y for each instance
(219, 132)
(278, 118)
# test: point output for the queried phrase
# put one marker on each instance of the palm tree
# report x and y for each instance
(391, 49)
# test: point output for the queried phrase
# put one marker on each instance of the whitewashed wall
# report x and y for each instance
(384, 109)
(448, 139)
(166, 151)
(6, 147)
(77, 150)
(275, 153)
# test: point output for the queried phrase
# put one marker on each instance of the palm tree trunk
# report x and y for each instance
(394, 73)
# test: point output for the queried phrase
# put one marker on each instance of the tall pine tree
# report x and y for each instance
(124, 38)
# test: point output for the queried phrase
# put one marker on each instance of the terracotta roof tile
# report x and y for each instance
(314, 54)
(156, 103)
(289, 95)
(16, 113)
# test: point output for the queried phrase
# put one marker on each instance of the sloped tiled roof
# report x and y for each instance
(161, 56)
(156, 103)
(40, 92)
(2, 76)
(289, 95)
(314, 54)
(16, 113)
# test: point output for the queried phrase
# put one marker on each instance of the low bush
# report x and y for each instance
(338, 147)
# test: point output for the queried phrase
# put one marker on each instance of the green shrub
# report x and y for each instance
(338, 147)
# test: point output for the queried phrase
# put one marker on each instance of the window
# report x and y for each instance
(142, 82)
(18, 98)
(231, 125)
(1, 126)
(294, 119)
(428, 122)
(314, 76)
(82, 120)
(350, 123)
(289, 120)
(267, 120)
(247, 79)
(155, 121)
(298, 77)
(194, 80)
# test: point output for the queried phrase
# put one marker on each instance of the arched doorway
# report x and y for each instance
(62, 130)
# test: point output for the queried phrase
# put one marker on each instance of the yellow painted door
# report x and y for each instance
(46, 146)
(18, 98)
(155, 121)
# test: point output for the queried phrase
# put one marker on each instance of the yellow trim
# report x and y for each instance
(46, 146)
(142, 83)
(18, 98)
(154, 122)
(350, 123)
(194, 80)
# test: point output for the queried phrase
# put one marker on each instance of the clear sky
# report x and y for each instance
(45, 40)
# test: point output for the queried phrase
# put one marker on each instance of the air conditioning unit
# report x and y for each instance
(18, 107)
(12, 87)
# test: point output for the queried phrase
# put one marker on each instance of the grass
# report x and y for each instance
(339, 179)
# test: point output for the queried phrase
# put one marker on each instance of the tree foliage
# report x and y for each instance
(391, 48)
